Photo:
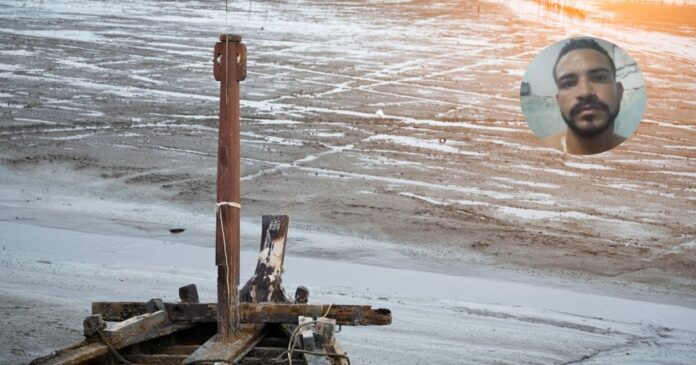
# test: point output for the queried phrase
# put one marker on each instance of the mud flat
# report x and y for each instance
(392, 127)
(57, 258)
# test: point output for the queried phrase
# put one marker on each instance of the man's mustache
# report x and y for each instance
(588, 104)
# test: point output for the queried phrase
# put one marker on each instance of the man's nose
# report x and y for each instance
(585, 88)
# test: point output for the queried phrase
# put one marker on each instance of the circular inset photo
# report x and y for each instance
(583, 96)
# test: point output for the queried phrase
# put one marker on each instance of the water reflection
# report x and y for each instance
(670, 16)
(565, 13)
(569, 8)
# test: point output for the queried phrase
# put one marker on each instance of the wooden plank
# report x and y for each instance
(74, 355)
(158, 359)
(263, 361)
(118, 311)
(160, 331)
(130, 335)
(134, 326)
(356, 315)
(215, 350)
(266, 285)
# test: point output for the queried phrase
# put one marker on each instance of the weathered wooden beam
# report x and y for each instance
(266, 285)
(360, 315)
(263, 361)
(118, 311)
(155, 359)
(73, 355)
(216, 350)
(134, 330)
(229, 67)
(131, 327)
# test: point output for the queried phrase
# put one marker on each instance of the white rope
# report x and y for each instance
(294, 339)
(222, 228)
(229, 204)
(224, 244)
(327, 311)
(296, 334)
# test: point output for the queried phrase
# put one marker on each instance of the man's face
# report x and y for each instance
(588, 95)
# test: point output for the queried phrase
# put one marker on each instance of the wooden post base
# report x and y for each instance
(227, 352)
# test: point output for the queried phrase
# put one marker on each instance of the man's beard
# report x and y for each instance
(592, 132)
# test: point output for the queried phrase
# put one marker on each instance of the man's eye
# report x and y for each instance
(565, 84)
(600, 78)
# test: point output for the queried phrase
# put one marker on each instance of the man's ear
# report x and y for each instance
(619, 91)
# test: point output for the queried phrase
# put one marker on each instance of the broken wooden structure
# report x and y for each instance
(270, 331)
(259, 324)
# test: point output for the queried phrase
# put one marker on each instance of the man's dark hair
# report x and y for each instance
(583, 43)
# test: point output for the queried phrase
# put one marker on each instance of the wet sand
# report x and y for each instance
(56, 261)
(379, 121)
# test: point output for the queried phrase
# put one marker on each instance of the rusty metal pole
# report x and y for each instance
(229, 68)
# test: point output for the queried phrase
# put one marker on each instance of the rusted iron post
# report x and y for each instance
(229, 68)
